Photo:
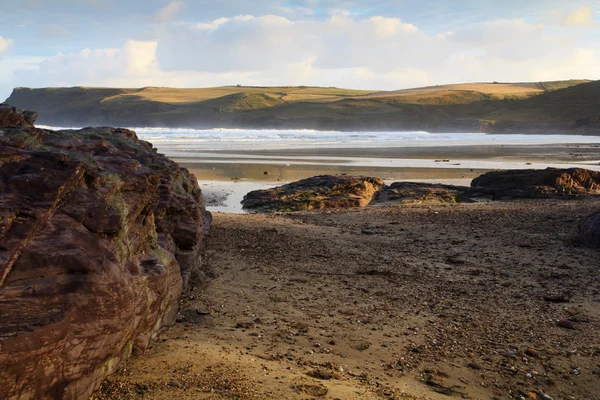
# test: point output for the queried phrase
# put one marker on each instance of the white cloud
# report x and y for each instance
(583, 16)
(5, 44)
(169, 11)
(580, 17)
(344, 51)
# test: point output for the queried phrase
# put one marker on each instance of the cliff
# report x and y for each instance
(98, 235)
(568, 107)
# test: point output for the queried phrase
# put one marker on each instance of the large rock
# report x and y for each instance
(589, 230)
(324, 191)
(532, 183)
(9, 116)
(421, 193)
(98, 235)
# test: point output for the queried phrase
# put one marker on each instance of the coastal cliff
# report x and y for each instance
(99, 235)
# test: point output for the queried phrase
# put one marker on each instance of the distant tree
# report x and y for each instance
(238, 85)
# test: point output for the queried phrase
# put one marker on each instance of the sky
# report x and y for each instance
(360, 44)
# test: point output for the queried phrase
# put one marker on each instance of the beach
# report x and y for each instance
(494, 300)
(225, 175)
(479, 301)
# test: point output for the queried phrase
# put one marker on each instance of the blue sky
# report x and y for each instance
(385, 44)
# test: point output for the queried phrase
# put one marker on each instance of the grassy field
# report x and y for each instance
(539, 107)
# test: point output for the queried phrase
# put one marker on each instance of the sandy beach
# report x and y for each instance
(437, 302)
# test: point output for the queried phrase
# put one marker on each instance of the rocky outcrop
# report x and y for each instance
(418, 192)
(98, 235)
(324, 191)
(531, 183)
(589, 230)
(327, 191)
(9, 116)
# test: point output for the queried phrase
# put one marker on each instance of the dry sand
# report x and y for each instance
(436, 302)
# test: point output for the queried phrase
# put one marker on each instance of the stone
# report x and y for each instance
(563, 323)
(556, 298)
(532, 183)
(318, 192)
(97, 231)
(474, 365)
(589, 231)
(421, 193)
(10, 117)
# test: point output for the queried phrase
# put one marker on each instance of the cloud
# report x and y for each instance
(5, 44)
(248, 43)
(341, 50)
(169, 11)
(583, 16)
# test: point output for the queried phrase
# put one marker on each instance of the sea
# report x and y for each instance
(184, 140)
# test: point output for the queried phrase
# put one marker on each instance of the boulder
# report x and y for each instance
(532, 183)
(10, 117)
(589, 230)
(98, 235)
(419, 192)
(323, 191)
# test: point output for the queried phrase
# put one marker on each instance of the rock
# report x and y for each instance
(589, 230)
(98, 234)
(544, 396)
(323, 374)
(556, 298)
(244, 324)
(10, 117)
(417, 192)
(360, 345)
(318, 192)
(563, 323)
(474, 365)
(531, 352)
(532, 183)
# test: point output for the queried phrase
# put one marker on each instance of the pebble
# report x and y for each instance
(563, 323)
(532, 352)
(557, 298)
(474, 365)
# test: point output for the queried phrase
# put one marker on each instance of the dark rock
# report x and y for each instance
(532, 352)
(474, 365)
(93, 228)
(417, 192)
(531, 183)
(556, 298)
(10, 117)
(589, 230)
(323, 191)
(563, 323)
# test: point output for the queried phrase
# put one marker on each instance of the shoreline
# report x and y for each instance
(227, 175)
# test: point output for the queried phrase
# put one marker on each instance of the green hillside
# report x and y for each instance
(543, 107)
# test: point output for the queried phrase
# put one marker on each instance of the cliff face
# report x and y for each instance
(98, 235)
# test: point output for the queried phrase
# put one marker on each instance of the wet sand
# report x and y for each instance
(575, 152)
(227, 176)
